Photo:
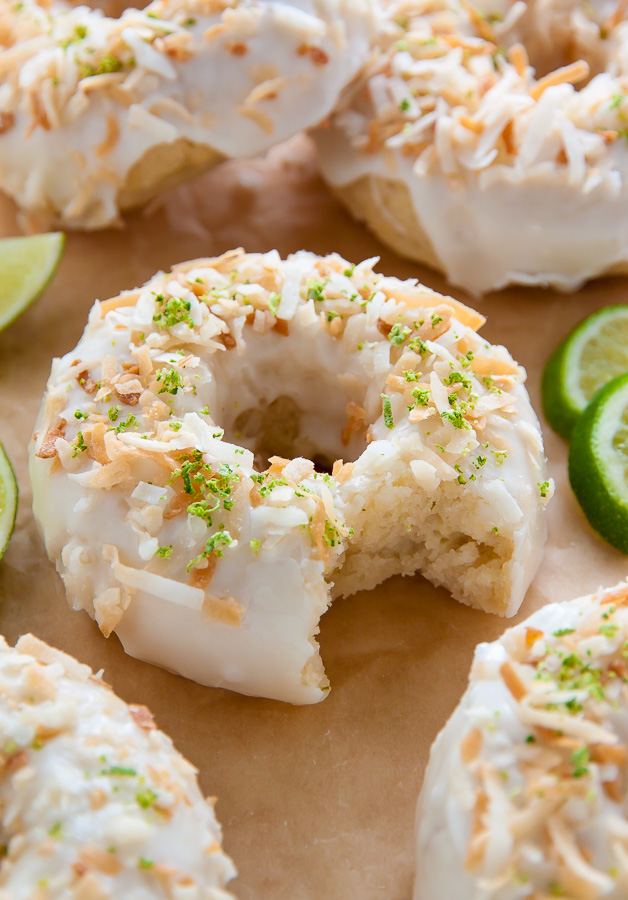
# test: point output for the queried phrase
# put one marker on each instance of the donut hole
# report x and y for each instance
(288, 397)
(565, 37)
(276, 428)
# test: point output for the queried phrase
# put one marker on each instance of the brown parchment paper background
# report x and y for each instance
(315, 802)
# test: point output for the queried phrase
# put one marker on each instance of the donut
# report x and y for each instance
(244, 435)
(97, 115)
(456, 155)
(525, 794)
(96, 802)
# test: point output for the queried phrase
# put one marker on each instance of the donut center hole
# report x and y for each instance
(277, 428)
(283, 397)
(565, 38)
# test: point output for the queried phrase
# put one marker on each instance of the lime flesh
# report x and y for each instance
(598, 462)
(26, 266)
(594, 353)
(8, 501)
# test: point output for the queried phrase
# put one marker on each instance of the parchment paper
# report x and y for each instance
(316, 802)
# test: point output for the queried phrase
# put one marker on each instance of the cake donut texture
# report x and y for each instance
(97, 115)
(457, 155)
(178, 466)
(96, 802)
(525, 795)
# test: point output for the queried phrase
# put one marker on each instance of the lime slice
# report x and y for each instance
(26, 266)
(598, 462)
(8, 501)
(590, 356)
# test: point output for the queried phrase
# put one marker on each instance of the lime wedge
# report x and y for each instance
(598, 462)
(8, 501)
(590, 356)
(26, 266)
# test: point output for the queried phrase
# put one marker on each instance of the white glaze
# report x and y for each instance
(60, 171)
(96, 803)
(251, 625)
(493, 219)
(580, 811)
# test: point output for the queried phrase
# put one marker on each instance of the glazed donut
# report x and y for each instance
(97, 115)
(96, 802)
(455, 154)
(167, 529)
(525, 793)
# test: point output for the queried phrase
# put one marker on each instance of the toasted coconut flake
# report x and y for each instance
(237, 48)
(142, 716)
(356, 420)
(267, 90)
(109, 608)
(464, 314)
(519, 57)
(200, 578)
(95, 858)
(97, 799)
(89, 888)
(298, 469)
(227, 610)
(103, 82)
(617, 16)
(87, 382)
(228, 340)
(487, 365)
(471, 745)
(318, 56)
(344, 473)
(265, 122)
(47, 448)
(471, 124)
(111, 138)
(214, 30)
(282, 327)
(617, 597)
(129, 392)
(532, 636)
(277, 465)
(571, 74)
(615, 754)
(95, 440)
(513, 680)
(106, 477)
(478, 840)
(126, 298)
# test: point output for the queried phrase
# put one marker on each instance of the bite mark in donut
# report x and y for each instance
(210, 523)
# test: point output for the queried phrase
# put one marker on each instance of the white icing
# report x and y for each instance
(251, 626)
(95, 801)
(592, 818)
(491, 222)
(60, 170)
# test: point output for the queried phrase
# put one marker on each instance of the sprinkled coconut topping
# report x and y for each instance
(96, 802)
(234, 416)
(134, 402)
(86, 97)
(52, 52)
(544, 754)
(451, 87)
